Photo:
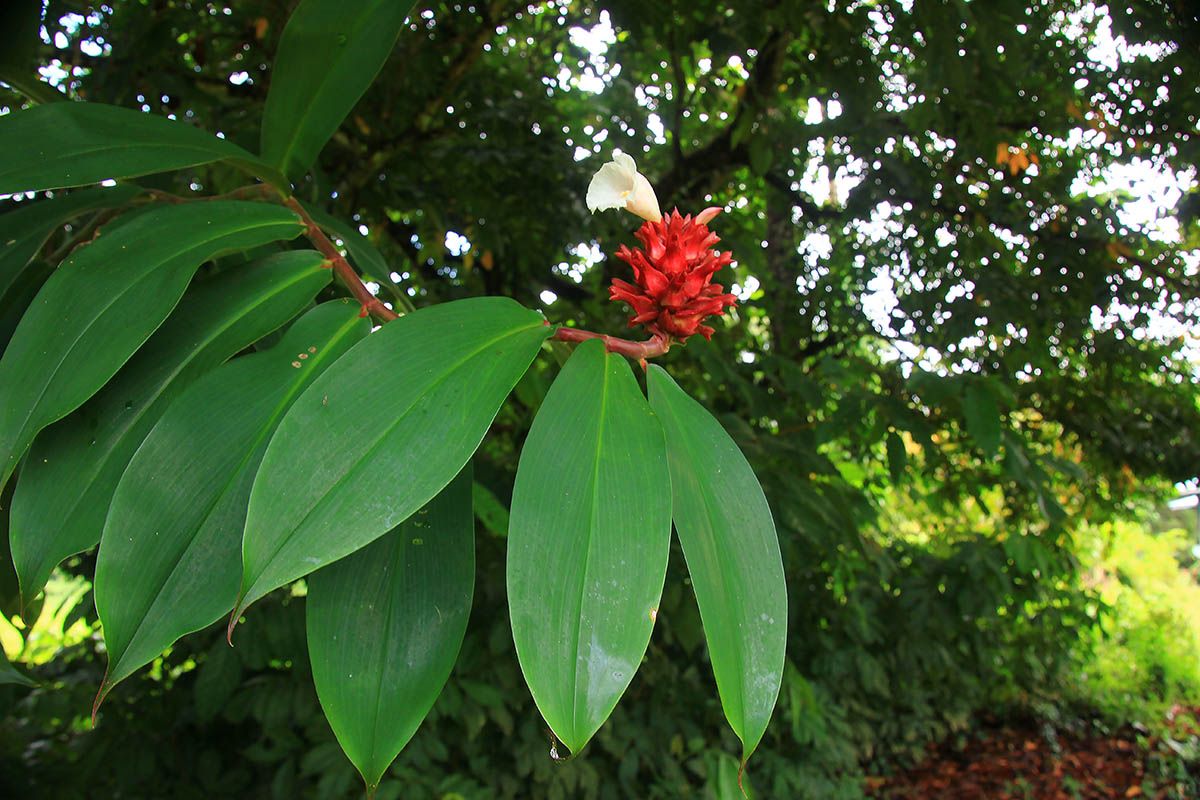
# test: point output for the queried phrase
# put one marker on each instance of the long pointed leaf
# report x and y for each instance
(588, 542)
(385, 625)
(74, 465)
(104, 301)
(170, 557)
(72, 144)
(329, 53)
(379, 434)
(732, 552)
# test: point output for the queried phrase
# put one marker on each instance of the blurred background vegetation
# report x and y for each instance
(964, 367)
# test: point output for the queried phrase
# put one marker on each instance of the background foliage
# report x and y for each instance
(957, 344)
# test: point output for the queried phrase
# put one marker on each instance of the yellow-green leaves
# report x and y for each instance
(588, 541)
(385, 625)
(379, 434)
(103, 302)
(733, 558)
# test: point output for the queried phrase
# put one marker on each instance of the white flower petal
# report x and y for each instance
(643, 202)
(610, 187)
(618, 184)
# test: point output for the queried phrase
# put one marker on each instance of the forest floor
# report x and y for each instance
(1017, 760)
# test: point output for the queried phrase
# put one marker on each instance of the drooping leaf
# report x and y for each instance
(380, 433)
(106, 299)
(26, 228)
(170, 557)
(329, 53)
(75, 464)
(385, 624)
(588, 540)
(73, 144)
(732, 552)
(983, 417)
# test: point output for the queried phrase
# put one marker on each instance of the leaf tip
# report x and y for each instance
(101, 693)
(233, 621)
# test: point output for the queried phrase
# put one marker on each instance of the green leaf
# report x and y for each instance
(983, 417)
(728, 538)
(329, 53)
(74, 465)
(10, 674)
(379, 434)
(25, 229)
(385, 625)
(169, 558)
(216, 680)
(72, 144)
(897, 456)
(490, 511)
(588, 542)
(104, 301)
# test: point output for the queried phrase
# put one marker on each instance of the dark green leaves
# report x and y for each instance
(385, 625)
(72, 144)
(68, 481)
(328, 55)
(588, 541)
(380, 433)
(733, 558)
(106, 299)
(168, 560)
(983, 417)
(24, 229)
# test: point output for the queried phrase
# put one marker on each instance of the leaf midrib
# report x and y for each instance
(587, 556)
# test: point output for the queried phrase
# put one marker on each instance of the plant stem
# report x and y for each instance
(370, 303)
(654, 346)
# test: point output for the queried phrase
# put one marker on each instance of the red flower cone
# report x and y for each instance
(674, 292)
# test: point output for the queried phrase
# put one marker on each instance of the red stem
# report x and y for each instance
(656, 345)
(370, 303)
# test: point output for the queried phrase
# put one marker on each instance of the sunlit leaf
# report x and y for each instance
(588, 540)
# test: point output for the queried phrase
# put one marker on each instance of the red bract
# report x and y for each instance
(674, 290)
